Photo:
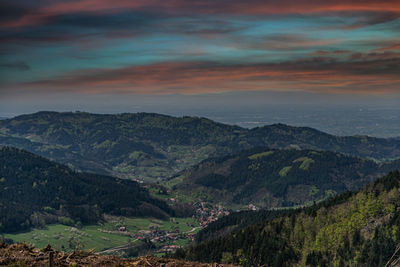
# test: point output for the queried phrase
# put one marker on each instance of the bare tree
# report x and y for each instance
(394, 261)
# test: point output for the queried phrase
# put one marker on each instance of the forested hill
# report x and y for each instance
(35, 191)
(276, 178)
(151, 146)
(353, 229)
(280, 136)
(141, 145)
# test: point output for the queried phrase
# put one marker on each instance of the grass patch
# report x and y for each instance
(174, 181)
(154, 192)
(260, 155)
(135, 155)
(283, 172)
(305, 162)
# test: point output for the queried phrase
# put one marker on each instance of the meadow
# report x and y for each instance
(101, 236)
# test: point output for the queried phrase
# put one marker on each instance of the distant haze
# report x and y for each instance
(336, 114)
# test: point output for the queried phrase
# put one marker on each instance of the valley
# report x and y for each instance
(202, 133)
(183, 186)
(132, 235)
(124, 236)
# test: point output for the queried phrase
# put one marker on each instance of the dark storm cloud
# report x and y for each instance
(75, 26)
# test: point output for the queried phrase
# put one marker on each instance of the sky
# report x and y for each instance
(104, 53)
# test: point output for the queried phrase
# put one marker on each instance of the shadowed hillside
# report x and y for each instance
(35, 191)
(274, 178)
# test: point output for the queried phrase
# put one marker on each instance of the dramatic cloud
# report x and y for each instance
(369, 73)
(198, 46)
(390, 47)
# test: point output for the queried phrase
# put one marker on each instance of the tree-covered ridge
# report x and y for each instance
(273, 177)
(236, 221)
(353, 229)
(141, 145)
(35, 191)
(150, 146)
(280, 136)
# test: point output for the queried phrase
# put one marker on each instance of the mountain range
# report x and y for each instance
(329, 208)
(147, 146)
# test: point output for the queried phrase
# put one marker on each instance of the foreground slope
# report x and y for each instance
(353, 229)
(151, 146)
(25, 255)
(35, 191)
(273, 178)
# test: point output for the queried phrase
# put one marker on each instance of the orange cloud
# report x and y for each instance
(317, 75)
(389, 48)
(335, 52)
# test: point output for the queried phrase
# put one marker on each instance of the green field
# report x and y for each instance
(65, 238)
(178, 195)
(61, 236)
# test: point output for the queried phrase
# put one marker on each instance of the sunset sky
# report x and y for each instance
(127, 48)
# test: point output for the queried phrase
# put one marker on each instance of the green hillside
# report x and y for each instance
(276, 178)
(151, 146)
(352, 229)
(35, 191)
(137, 146)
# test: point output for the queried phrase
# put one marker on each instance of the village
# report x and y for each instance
(172, 239)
